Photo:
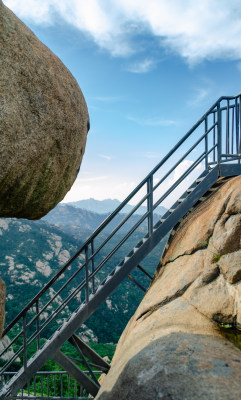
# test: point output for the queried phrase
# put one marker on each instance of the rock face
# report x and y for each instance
(43, 123)
(173, 348)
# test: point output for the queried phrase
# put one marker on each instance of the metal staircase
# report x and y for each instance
(209, 151)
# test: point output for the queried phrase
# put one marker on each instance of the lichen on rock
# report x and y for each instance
(43, 123)
(173, 348)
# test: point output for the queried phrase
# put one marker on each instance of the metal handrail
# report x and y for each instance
(116, 211)
(218, 156)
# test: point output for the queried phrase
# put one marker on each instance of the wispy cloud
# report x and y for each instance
(92, 179)
(155, 121)
(106, 99)
(141, 67)
(197, 30)
(152, 154)
(105, 157)
(200, 95)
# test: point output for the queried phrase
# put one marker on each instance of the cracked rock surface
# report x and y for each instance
(172, 348)
(43, 123)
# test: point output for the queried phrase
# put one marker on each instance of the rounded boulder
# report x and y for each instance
(44, 122)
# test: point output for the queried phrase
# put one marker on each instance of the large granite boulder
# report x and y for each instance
(173, 347)
(43, 123)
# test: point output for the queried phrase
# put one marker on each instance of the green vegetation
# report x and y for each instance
(232, 334)
(31, 253)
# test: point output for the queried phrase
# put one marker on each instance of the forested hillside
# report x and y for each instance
(31, 253)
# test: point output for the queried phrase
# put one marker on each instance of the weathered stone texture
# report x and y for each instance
(172, 348)
(43, 123)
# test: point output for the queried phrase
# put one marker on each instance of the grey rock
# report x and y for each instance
(181, 367)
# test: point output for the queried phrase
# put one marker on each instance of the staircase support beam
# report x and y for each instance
(69, 366)
(89, 353)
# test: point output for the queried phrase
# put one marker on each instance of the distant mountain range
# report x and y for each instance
(80, 223)
(108, 205)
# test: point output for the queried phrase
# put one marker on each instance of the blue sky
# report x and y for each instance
(148, 70)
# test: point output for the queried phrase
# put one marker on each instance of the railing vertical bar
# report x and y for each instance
(237, 124)
(239, 146)
(227, 128)
(24, 342)
(54, 385)
(86, 275)
(219, 133)
(37, 324)
(150, 204)
(68, 386)
(232, 147)
(206, 143)
(75, 389)
(61, 385)
(42, 391)
(48, 385)
(28, 386)
(34, 385)
(92, 265)
(214, 136)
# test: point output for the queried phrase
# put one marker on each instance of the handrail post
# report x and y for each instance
(237, 124)
(24, 342)
(37, 324)
(206, 143)
(239, 147)
(92, 265)
(150, 204)
(219, 133)
(86, 275)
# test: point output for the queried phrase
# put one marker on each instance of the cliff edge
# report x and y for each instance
(173, 347)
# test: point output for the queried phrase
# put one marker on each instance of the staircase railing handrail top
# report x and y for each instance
(115, 212)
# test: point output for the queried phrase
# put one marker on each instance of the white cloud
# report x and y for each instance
(99, 189)
(154, 121)
(196, 30)
(141, 67)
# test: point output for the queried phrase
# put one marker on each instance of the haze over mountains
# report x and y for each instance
(108, 205)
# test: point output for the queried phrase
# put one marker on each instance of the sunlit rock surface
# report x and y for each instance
(173, 348)
(43, 123)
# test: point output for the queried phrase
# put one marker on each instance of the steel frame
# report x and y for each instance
(219, 136)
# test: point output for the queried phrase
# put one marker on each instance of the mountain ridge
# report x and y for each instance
(109, 205)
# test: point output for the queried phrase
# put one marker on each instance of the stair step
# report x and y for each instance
(99, 288)
(181, 200)
(117, 268)
(200, 179)
(162, 220)
(190, 190)
(171, 210)
(107, 278)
